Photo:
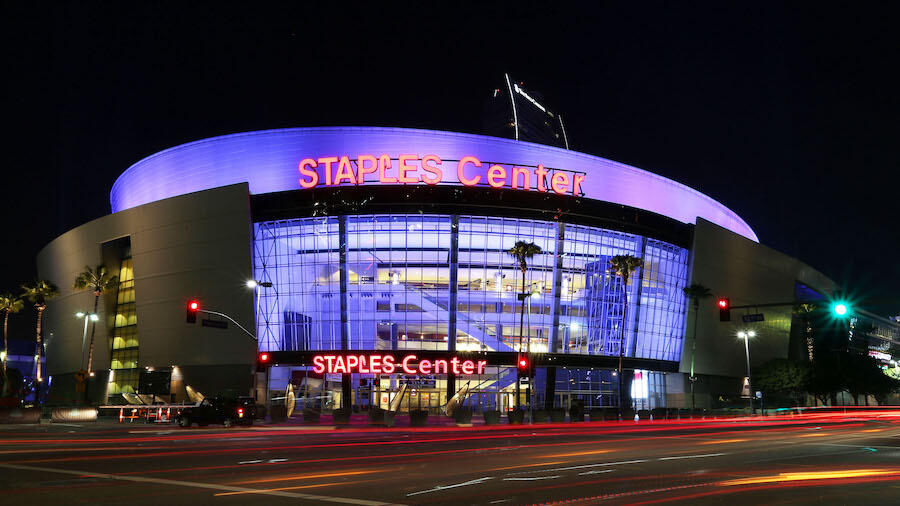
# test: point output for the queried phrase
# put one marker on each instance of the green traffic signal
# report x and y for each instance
(840, 308)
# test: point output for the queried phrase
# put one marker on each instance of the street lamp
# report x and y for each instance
(746, 335)
(254, 285)
(87, 317)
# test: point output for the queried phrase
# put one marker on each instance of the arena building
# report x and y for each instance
(367, 243)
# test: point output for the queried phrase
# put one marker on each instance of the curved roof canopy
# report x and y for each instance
(269, 161)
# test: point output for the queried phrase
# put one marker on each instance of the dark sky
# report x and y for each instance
(786, 114)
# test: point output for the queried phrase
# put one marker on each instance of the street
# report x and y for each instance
(825, 458)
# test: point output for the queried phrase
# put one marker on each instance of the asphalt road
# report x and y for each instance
(851, 458)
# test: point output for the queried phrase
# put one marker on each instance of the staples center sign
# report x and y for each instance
(429, 169)
(388, 364)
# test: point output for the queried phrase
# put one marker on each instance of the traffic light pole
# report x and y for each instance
(223, 315)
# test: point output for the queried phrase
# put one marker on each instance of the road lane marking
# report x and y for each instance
(445, 487)
(619, 463)
(598, 471)
(195, 484)
(693, 456)
(585, 466)
(532, 478)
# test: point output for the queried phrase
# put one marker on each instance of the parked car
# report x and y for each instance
(227, 411)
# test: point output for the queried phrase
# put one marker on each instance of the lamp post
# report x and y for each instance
(746, 335)
(254, 285)
(87, 317)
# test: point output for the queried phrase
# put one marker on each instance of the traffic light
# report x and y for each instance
(262, 361)
(192, 308)
(840, 308)
(724, 306)
(522, 366)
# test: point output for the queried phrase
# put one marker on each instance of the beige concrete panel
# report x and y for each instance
(196, 245)
(747, 273)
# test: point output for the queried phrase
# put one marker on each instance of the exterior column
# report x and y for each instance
(637, 303)
(454, 296)
(553, 342)
(346, 390)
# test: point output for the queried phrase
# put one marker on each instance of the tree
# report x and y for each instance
(825, 379)
(623, 265)
(804, 312)
(99, 281)
(13, 383)
(38, 294)
(9, 303)
(523, 251)
(696, 292)
(781, 376)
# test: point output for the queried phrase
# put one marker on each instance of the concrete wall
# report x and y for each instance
(196, 245)
(747, 273)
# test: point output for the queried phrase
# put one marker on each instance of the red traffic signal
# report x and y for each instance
(192, 308)
(724, 309)
(262, 362)
(524, 367)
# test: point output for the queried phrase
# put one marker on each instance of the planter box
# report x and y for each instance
(418, 418)
(463, 415)
(388, 418)
(491, 417)
(341, 416)
(376, 416)
(515, 416)
(540, 416)
(576, 415)
(310, 416)
(598, 414)
(558, 415)
(20, 415)
(277, 414)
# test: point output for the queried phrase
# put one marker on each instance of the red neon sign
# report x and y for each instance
(413, 169)
(388, 364)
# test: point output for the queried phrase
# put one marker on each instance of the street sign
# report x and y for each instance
(216, 324)
(750, 318)
(745, 389)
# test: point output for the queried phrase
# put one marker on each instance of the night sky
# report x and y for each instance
(786, 114)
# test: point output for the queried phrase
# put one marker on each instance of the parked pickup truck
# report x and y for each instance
(227, 411)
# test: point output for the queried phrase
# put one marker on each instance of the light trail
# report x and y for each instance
(814, 475)
(314, 476)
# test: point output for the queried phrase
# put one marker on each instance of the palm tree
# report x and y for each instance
(623, 265)
(9, 303)
(805, 311)
(99, 281)
(522, 251)
(695, 292)
(38, 294)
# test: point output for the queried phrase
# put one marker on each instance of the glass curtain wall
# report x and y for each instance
(398, 287)
(398, 271)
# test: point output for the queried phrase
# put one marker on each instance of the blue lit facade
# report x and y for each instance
(405, 271)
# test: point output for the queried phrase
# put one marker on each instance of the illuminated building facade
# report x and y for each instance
(375, 241)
